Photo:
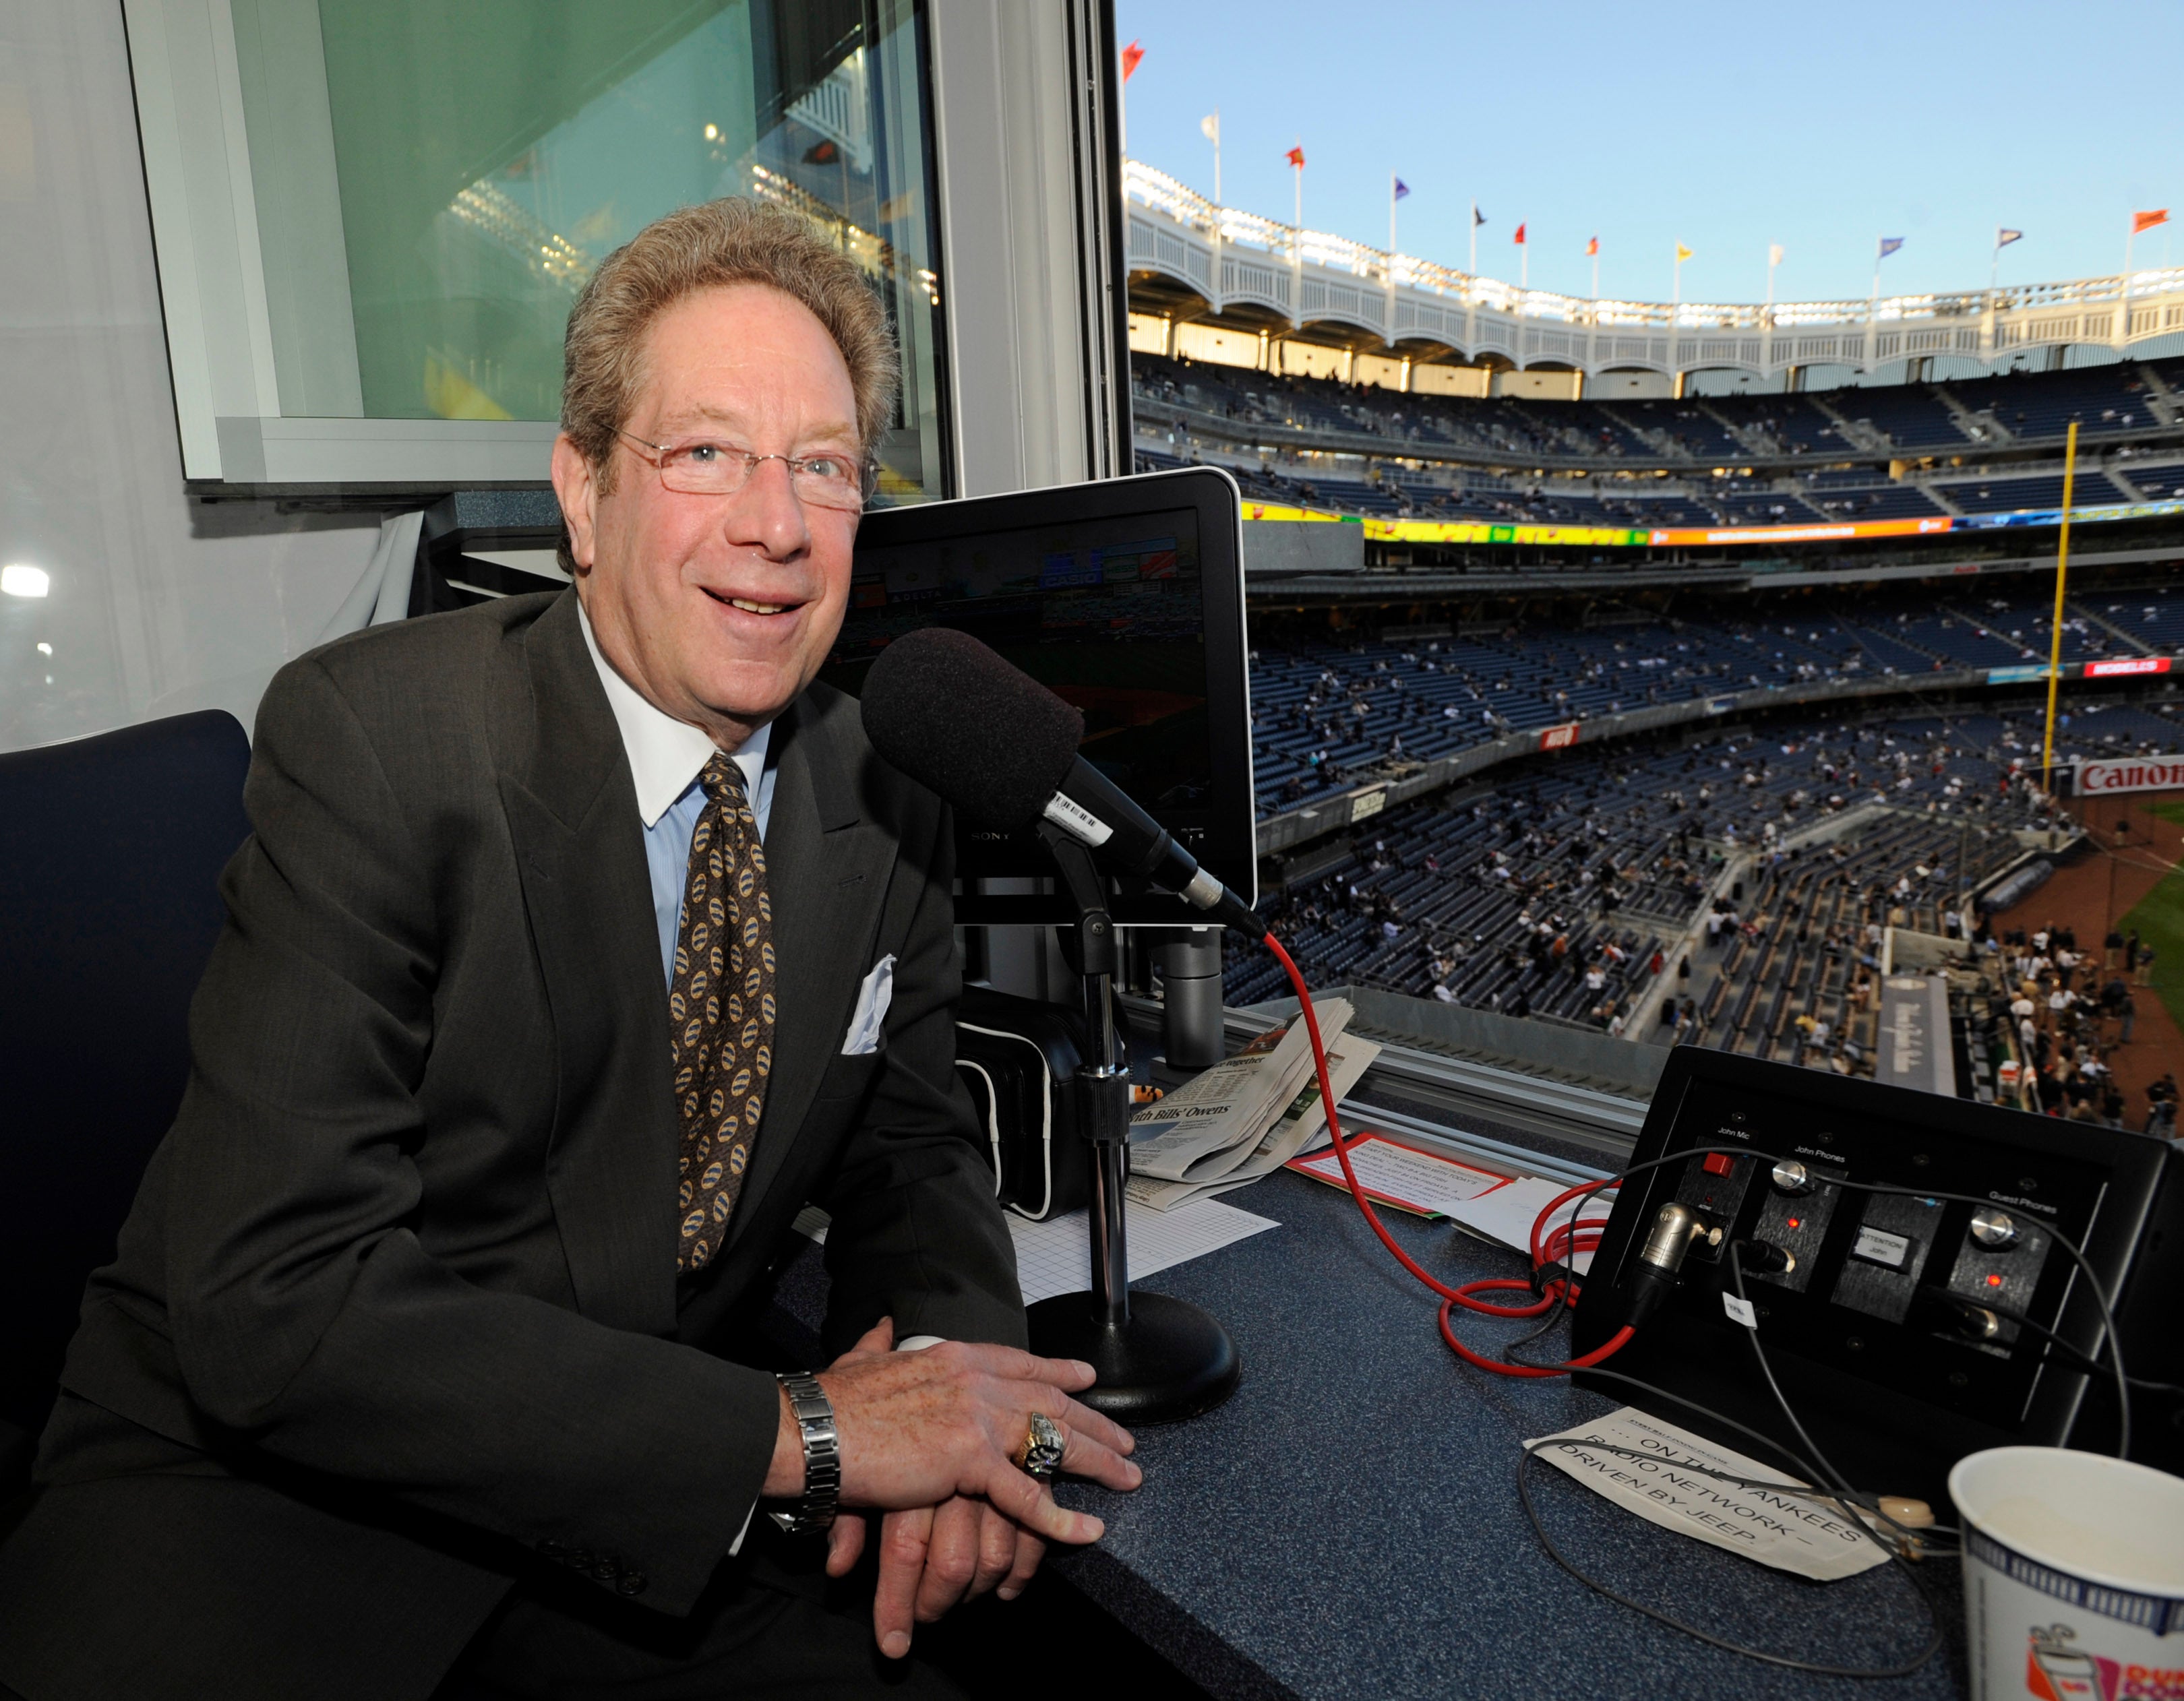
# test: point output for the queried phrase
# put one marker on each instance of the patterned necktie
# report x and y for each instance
(720, 1012)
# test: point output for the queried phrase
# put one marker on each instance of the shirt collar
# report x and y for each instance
(666, 755)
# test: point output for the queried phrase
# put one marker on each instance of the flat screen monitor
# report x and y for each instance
(1124, 597)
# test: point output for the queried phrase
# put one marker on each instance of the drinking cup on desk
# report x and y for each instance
(2074, 1576)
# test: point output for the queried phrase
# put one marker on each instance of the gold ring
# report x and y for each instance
(1041, 1455)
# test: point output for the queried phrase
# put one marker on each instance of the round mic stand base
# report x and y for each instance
(1168, 1362)
(1157, 1359)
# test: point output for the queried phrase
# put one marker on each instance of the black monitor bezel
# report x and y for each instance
(1228, 844)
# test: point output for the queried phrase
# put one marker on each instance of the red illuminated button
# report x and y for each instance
(1717, 1163)
(1994, 1281)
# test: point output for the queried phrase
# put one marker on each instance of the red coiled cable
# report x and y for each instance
(1559, 1245)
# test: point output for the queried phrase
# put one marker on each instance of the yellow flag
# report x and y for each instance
(1682, 253)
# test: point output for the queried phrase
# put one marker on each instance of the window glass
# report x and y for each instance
(435, 180)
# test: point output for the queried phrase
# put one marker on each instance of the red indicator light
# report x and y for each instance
(1994, 1281)
(1796, 1222)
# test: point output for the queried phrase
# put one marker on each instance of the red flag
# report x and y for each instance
(1593, 246)
(1131, 55)
(2146, 221)
(1296, 157)
(1520, 235)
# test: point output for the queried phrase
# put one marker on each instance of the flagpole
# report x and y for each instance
(1676, 299)
(2055, 647)
(1474, 267)
(1296, 239)
(2123, 307)
(1771, 263)
(1217, 156)
(1388, 337)
(1595, 275)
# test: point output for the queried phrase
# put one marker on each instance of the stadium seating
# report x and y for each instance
(1617, 854)
(1328, 712)
(2109, 403)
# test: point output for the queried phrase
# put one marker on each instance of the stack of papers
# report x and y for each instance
(1244, 1118)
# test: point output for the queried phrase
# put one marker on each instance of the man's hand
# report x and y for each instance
(930, 1437)
(932, 1557)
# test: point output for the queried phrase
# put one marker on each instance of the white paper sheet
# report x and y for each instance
(1507, 1213)
(1791, 1532)
(1056, 1256)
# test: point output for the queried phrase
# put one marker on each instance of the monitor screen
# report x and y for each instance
(1124, 598)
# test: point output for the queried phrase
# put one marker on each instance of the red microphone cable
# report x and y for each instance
(1567, 1240)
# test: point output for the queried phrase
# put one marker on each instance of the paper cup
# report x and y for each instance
(2074, 1576)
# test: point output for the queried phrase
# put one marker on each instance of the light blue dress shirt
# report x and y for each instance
(666, 758)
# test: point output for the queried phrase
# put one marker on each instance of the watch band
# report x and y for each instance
(822, 1455)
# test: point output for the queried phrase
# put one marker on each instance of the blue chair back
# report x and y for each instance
(110, 853)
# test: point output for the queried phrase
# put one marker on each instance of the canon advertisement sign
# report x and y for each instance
(2131, 774)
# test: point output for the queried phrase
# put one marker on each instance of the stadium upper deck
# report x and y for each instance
(1193, 261)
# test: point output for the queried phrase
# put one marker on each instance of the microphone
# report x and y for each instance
(1001, 748)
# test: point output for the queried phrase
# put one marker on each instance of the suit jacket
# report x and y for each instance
(395, 1315)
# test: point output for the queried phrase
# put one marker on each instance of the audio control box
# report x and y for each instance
(1892, 1241)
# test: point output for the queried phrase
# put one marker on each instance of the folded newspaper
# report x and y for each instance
(1244, 1118)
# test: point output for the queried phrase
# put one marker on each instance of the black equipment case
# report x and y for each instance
(1019, 1058)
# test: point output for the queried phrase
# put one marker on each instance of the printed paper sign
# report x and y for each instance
(1400, 1175)
(1813, 1538)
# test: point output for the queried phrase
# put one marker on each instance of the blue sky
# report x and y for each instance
(1726, 126)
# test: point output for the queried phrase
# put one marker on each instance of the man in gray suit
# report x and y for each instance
(580, 941)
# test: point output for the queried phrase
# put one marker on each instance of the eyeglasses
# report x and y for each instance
(704, 467)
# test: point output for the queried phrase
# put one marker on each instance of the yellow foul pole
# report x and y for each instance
(2055, 651)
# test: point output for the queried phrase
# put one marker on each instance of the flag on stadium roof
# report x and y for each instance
(2003, 238)
(1593, 246)
(1296, 157)
(1131, 55)
(1401, 188)
(1683, 253)
(1773, 254)
(1520, 235)
(2146, 221)
(1210, 127)
(1889, 245)
(1477, 218)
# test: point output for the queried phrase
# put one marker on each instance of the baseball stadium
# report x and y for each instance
(1681, 672)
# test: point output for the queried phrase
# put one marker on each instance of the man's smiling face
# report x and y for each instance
(719, 609)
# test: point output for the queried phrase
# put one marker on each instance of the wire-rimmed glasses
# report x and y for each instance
(704, 467)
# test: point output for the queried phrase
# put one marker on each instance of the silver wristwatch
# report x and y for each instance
(822, 1455)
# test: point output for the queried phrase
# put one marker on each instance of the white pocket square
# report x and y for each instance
(873, 998)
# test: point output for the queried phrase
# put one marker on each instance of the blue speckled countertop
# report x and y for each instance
(1347, 1526)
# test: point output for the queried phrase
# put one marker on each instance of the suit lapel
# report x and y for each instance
(571, 811)
(826, 866)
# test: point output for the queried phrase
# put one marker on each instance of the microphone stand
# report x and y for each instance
(1159, 1359)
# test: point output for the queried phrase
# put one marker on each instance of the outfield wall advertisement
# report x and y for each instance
(2130, 774)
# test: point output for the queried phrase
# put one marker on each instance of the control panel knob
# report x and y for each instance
(1791, 1177)
(1993, 1229)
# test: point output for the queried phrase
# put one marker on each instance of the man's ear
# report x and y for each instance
(577, 487)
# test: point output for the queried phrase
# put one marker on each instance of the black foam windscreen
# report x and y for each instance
(979, 731)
